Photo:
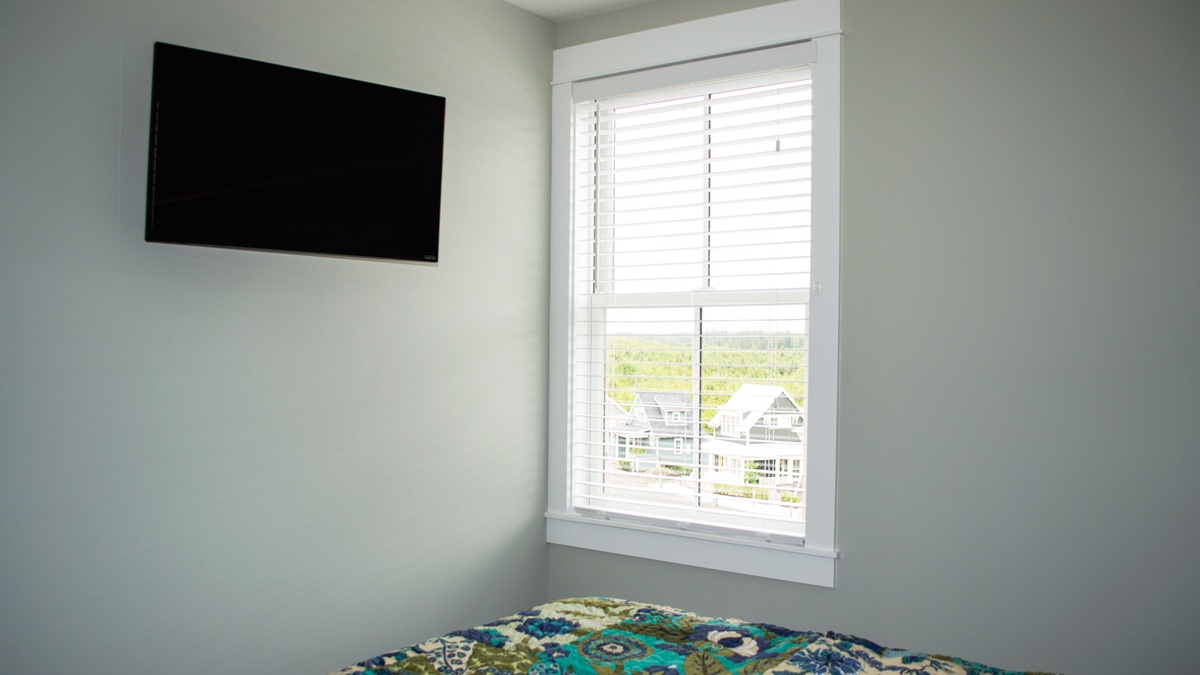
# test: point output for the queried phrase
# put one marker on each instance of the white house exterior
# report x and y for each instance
(758, 438)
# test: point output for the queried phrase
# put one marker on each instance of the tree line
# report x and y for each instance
(728, 360)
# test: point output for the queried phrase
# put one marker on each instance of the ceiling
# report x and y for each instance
(562, 10)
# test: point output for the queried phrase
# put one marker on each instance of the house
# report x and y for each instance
(758, 437)
(223, 461)
(759, 413)
(658, 430)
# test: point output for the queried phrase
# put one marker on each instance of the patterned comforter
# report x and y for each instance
(603, 636)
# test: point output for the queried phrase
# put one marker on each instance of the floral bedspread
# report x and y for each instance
(603, 636)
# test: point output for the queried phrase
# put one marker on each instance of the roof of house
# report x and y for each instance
(656, 405)
(620, 421)
(648, 414)
(751, 401)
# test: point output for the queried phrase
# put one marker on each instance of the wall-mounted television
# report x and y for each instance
(248, 154)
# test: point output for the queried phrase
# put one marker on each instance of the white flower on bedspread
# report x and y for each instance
(590, 615)
(736, 642)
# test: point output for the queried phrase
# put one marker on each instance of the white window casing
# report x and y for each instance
(632, 264)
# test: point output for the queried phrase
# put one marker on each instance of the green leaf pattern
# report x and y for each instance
(703, 663)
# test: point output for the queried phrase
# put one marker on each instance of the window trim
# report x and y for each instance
(815, 25)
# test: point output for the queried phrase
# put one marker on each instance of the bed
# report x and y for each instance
(607, 636)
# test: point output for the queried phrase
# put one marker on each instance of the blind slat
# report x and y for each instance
(715, 175)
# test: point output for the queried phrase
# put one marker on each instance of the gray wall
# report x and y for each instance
(243, 462)
(1020, 443)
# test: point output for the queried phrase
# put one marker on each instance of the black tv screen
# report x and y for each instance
(253, 155)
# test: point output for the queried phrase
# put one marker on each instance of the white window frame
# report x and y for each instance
(714, 47)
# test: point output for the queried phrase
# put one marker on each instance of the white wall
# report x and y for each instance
(232, 461)
(1019, 440)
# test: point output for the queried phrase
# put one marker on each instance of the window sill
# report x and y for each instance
(762, 559)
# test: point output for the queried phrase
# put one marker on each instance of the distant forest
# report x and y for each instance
(641, 363)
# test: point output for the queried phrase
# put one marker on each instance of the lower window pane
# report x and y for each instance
(704, 417)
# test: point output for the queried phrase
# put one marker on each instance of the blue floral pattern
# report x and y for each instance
(612, 647)
(543, 627)
(605, 636)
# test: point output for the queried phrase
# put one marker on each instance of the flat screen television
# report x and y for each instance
(248, 154)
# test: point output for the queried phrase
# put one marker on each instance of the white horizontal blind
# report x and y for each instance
(690, 283)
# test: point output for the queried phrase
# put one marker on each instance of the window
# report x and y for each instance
(691, 277)
(696, 237)
(766, 469)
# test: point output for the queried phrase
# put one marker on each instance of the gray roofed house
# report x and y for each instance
(667, 413)
(659, 429)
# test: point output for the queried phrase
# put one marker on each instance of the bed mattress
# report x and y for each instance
(606, 636)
